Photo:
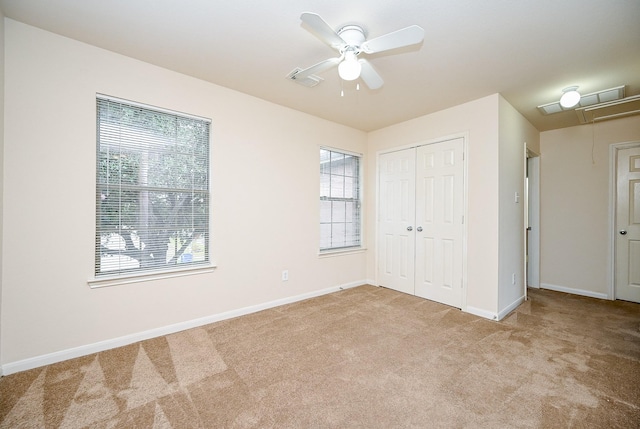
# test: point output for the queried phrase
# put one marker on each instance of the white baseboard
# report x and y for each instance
(495, 316)
(502, 314)
(51, 358)
(582, 292)
(482, 313)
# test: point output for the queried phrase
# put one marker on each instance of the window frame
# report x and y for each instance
(182, 268)
(336, 250)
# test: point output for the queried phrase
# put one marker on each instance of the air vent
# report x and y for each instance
(309, 81)
(609, 110)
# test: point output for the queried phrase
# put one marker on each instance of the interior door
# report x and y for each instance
(396, 215)
(439, 222)
(627, 243)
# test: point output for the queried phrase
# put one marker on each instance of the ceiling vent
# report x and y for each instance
(609, 110)
(308, 81)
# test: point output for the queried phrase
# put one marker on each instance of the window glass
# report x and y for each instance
(339, 200)
(152, 194)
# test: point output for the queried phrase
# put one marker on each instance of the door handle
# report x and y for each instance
(409, 228)
(419, 229)
(623, 232)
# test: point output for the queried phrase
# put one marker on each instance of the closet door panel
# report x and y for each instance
(396, 217)
(439, 211)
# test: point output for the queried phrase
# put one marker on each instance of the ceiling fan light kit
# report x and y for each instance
(350, 41)
(349, 68)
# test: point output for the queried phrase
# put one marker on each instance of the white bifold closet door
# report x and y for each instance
(420, 215)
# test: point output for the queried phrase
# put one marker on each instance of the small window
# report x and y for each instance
(152, 194)
(339, 200)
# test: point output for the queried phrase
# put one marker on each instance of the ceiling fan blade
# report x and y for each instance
(397, 39)
(369, 75)
(317, 68)
(322, 29)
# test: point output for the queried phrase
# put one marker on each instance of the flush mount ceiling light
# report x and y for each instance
(570, 98)
(603, 96)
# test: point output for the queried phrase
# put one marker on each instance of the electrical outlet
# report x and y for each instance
(513, 278)
(285, 275)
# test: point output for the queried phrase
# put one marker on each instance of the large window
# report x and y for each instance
(339, 200)
(152, 194)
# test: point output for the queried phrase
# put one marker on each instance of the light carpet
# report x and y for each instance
(366, 357)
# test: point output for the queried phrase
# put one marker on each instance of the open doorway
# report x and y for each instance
(532, 219)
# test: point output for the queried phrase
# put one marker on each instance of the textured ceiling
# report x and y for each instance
(527, 50)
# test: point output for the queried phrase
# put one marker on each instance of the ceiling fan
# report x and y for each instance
(350, 41)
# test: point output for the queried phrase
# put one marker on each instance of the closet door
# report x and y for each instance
(396, 216)
(439, 222)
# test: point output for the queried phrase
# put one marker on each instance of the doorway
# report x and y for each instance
(532, 219)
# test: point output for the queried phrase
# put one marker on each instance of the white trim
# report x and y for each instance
(465, 214)
(150, 107)
(482, 313)
(464, 135)
(573, 291)
(341, 252)
(613, 179)
(611, 260)
(511, 307)
(51, 358)
(376, 220)
(98, 282)
(337, 149)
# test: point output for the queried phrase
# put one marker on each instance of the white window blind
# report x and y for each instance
(152, 194)
(339, 200)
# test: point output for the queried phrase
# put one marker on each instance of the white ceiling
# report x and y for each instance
(527, 50)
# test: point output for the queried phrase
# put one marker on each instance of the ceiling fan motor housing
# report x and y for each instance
(353, 37)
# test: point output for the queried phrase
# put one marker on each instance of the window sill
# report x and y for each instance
(98, 282)
(341, 252)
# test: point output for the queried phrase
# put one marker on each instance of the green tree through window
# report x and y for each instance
(152, 192)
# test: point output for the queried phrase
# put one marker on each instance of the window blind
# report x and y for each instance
(339, 200)
(152, 193)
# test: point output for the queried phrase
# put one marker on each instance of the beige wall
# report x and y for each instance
(515, 131)
(574, 204)
(479, 121)
(263, 221)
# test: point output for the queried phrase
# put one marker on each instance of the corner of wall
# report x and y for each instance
(514, 132)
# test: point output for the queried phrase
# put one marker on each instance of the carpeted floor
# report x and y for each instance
(366, 357)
